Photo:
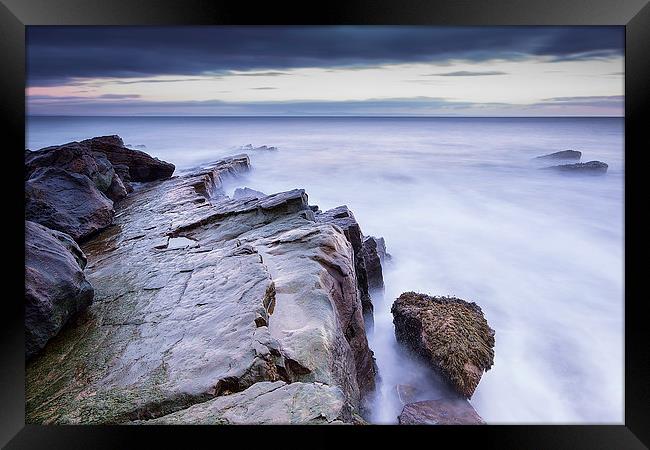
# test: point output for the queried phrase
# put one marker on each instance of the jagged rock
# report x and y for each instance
(73, 157)
(247, 192)
(142, 167)
(55, 285)
(67, 202)
(266, 403)
(564, 154)
(373, 251)
(440, 412)
(450, 334)
(263, 294)
(117, 190)
(588, 168)
(342, 217)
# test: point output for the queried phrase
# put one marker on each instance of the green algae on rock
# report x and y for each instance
(450, 334)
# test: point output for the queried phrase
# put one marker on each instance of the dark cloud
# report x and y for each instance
(466, 73)
(57, 55)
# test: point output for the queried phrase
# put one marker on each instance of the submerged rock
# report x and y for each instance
(249, 147)
(67, 202)
(55, 285)
(440, 412)
(450, 334)
(564, 154)
(258, 305)
(141, 166)
(588, 168)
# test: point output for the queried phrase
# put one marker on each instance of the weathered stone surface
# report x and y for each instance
(342, 217)
(247, 192)
(117, 190)
(55, 285)
(73, 157)
(564, 154)
(142, 167)
(373, 252)
(67, 202)
(440, 412)
(450, 334)
(266, 403)
(588, 168)
(261, 293)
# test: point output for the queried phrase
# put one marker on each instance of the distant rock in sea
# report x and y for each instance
(572, 155)
(588, 168)
(249, 147)
(449, 334)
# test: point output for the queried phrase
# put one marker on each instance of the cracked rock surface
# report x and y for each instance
(209, 309)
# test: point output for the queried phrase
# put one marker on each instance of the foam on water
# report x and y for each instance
(464, 212)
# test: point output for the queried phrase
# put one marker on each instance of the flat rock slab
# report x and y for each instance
(573, 155)
(588, 168)
(440, 412)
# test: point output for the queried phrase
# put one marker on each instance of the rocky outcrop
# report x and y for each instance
(588, 168)
(343, 218)
(573, 155)
(210, 310)
(449, 334)
(373, 252)
(141, 166)
(73, 157)
(440, 412)
(55, 286)
(66, 201)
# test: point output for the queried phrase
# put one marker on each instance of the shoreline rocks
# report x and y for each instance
(55, 286)
(259, 304)
(449, 334)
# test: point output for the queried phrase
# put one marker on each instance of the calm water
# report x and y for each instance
(464, 212)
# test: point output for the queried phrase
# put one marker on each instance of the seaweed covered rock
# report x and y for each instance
(440, 412)
(66, 201)
(450, 334)
(55, 285)
(141, 166)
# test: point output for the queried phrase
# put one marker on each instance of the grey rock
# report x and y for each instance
(564, 154)
(373, 251)
(55, 286)
(247, 192)
(142, 167)
(266, 403)
(588, 168)
(440, 412)
(67, 202)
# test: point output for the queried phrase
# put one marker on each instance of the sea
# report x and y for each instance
(465, 211)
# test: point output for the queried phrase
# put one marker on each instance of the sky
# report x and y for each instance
(325, 71)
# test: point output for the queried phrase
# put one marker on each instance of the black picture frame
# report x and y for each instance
(633, 14)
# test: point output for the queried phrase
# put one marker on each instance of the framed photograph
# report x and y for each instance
(409, 217)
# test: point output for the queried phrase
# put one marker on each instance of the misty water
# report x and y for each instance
(464, 212)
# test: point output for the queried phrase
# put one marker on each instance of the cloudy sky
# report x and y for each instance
(333, 70)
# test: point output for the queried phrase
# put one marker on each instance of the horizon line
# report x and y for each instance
(331, 116)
